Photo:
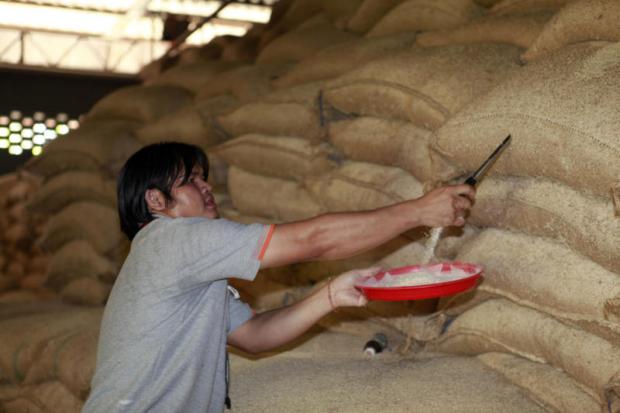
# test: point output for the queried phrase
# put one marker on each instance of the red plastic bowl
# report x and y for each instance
(420, 292)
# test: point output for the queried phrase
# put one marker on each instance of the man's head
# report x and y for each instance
(165, 179)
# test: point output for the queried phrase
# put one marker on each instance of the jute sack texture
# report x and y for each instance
(89, 291)
(517, 30)
(385, 142)
(141, 103)
(98, 145)
(577, 22)
(194, 124)
(546, 208)
(297, 12)
(346, 382)
(23, 338)
(89, 221)
(279, 199)
(516, 7)
(424, 15)
(343, 57)
(423, 86)
(500, 325)
(246, 83)
(68, 357)
(302, 43)
(551, 387)
(49, 397)
(369, 13)
(78, 259)
(277, 156)
(360, 186)
(192, 76)
(68, 187)
(549, 277)
(562, 126)
(288, 112)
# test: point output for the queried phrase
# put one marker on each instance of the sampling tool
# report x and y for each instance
(475, 177)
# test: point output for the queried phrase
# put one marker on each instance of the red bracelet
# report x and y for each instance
(329, 294)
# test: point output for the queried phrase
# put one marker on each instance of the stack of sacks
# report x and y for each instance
(304, 41)
(424, 15)
(423, 86)
(289, 15)
(551, 258)
(77, 199)
(277, 144)
(22, 263)
(47, 356)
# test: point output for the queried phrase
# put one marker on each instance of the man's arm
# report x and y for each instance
(271, 329)
(341, 235)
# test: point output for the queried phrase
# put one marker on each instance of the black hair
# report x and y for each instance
(155, 166)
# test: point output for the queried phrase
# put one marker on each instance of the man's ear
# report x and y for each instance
(155, 200)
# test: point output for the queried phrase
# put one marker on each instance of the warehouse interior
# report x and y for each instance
(310, 108)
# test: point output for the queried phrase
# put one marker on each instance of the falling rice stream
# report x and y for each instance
(431, 244)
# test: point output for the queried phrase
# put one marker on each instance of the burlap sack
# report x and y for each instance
(540, 207)
(338, 59)
(520, 30)
(194, 124)
(551, 387)
(77, 259)
(424, 15)
(288, 112)
(68, 357)
(246, 83)
(192, 76)
(298, 12)
(577, 22)
(99, 144)
(500, 325)
(549, 277)
(487, 3)
(369, 13)
(141, 103)
(50, 397)
(506, 7)
(86, 291)
(277, 156)
(352, 383)
(424, 86)
(385, 142)
(72, 186)
(95, 223)
(23, 338)
(279, 199)
(303, 43)
(360, 186)
(563, 127)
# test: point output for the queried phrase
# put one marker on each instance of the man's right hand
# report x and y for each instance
(445, 206)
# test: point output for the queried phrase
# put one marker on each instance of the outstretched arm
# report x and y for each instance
(271, 329)
(341, 235)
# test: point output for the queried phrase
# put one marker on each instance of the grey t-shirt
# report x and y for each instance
(162, 344)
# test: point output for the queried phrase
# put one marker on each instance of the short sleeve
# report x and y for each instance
(200, 250)
(239, 312)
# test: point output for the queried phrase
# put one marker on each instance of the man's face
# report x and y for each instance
(192, 199)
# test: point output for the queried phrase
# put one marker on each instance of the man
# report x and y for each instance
(170, 315)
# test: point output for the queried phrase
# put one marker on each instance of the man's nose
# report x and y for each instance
(205, 186)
